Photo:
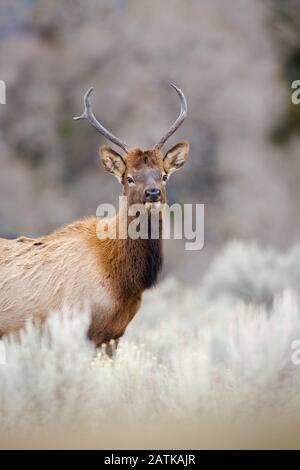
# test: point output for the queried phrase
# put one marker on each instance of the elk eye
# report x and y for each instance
(165, 177)
(130, 180)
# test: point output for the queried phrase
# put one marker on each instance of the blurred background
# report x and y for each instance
(235, 62)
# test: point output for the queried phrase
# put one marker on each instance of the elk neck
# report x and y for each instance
(133, 264)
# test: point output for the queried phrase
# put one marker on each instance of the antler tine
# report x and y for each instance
(90, 117)
(179, 120)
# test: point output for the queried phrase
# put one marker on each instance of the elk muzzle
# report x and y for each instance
(152, 195)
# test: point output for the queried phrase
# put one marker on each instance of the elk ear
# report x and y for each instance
(176, 157)
(112, 162)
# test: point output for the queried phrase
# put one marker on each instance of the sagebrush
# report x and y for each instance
(193, 369)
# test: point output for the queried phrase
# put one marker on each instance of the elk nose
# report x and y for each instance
(152, 194)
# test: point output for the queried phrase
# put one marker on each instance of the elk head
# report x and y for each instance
(143, 174)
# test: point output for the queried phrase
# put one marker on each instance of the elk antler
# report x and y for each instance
(90, 117)
(179, 120)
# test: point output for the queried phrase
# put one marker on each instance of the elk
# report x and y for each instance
(73, 267)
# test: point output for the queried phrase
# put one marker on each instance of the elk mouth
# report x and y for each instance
(153, 205)
(151, 196)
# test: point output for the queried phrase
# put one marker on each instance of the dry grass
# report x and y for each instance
(190, 373)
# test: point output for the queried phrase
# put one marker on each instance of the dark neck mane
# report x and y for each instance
(134, 264)
(143, 261)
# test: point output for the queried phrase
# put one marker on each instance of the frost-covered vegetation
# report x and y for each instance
(193, 370)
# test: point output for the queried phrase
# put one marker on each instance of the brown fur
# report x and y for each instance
(73, 268)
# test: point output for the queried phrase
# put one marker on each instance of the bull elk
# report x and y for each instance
(73, 267)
